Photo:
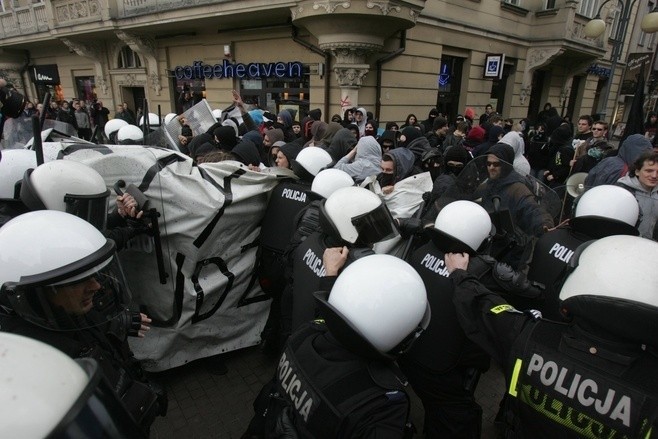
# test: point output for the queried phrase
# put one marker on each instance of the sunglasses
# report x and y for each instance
(494, 164)
(597, 129)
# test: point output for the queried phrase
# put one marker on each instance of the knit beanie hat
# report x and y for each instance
(290, 150)
(469, 114)
(503, 151)
(456, 153)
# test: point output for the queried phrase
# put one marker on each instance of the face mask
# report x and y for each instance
(451, 169)
(386, 179)
(369, 132)
(435, 172)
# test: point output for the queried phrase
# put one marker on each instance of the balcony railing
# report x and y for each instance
(72, 12)
(132, 8)
(23, 21)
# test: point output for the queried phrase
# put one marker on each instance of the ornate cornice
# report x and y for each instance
(330, 5)
(351, 76)
(385, 6)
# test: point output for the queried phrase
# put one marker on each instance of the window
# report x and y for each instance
(513, 2)
(588, 8)
(128, 59)
(550, 4)
(615, 17)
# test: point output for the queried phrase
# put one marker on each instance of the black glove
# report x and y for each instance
(138, 226)
(410, 226)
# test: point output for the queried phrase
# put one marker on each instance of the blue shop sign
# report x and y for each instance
(227, 69)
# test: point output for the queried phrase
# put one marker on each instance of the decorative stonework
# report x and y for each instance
(99, 81)
(414, 15)
(77, 10)
(294, 12)
(385, 6)
(93, 51)
(535, 58)
(154, 79)
(330, 5)
(352, 75)
(347, 53)
(145, 47)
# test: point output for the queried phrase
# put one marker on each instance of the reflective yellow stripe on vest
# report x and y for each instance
(515, 377)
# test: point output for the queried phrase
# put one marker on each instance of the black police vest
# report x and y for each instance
(286, 200)
(324, 395)
(307, 272)
(551, 257)
(557, 388)
(442, 346)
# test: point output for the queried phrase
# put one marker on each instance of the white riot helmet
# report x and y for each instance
(310, 161)
(357, 216)
(462, 227)
(130, 135)
(613, 285)
(13, 165)
(217, 114)
(606, 210)
(169, 117)
(329, 181)
(45, 393)
(377, 306)
(154, 121)
(67, 186)
(112, 126)
(55, 268)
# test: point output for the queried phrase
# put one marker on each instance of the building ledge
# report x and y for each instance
(547, 13)
(517, 10)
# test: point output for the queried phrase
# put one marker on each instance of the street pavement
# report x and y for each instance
(204, 404)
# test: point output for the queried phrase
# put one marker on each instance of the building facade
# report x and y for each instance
(392, 57)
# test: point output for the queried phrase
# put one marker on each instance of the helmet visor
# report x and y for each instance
(91, 208)
(68, 300)
(375, 226)
(97, 412)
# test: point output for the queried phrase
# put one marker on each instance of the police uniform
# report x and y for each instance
(144, 400)
(332, 393)
(309, 276)
(286, 200)
(442, 363)
(561, 380)
(551, 256)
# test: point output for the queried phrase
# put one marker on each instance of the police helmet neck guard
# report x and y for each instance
(353, 340)
(301, 172)
(604, 314)
(449, 244)
(599, 227)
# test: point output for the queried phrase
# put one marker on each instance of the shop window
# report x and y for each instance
(128, 59)
(276, 94)
(85, 88)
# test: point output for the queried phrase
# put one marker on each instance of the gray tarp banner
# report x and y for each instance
(209, 223)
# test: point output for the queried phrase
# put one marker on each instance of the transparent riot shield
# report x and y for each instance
(199, 118)
(520, 207)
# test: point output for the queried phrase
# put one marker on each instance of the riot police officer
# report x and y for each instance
(286, 200)
(601, 211)
(443, 366)
(47, 394)
(75, 188)
(13, 164)
(352, 217)
(61, 283)
(336, 378)
(592, 377)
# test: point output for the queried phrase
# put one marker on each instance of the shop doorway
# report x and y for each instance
(449, 83)
(134, 97)
(538, 80)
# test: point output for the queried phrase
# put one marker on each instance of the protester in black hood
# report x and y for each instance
(415, 142)
(246, 153)
(287, 153)
(429, 122)
(315, 114)
(561, 154)
(388, 140)
(494, 134)
(354, 128)
(342, 142)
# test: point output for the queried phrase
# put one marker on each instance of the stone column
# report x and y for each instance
(352, 31)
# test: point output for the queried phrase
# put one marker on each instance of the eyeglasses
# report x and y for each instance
(493, 164)
(597, 129)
